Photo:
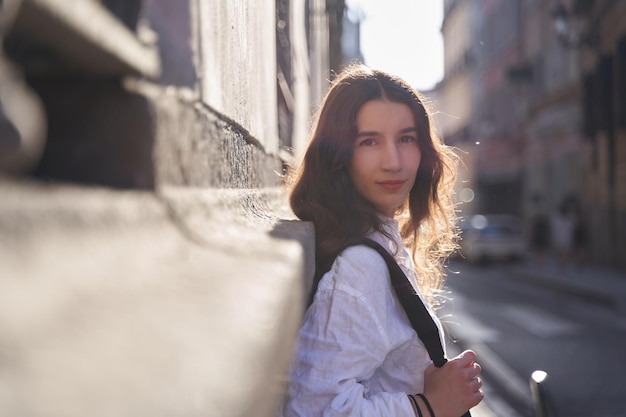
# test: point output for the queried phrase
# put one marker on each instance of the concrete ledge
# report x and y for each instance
(86, 35)
(126, 303)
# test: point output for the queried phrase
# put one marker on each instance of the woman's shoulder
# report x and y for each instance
(362, 256)
(357, 269)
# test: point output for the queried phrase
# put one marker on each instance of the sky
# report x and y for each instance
(402, 37)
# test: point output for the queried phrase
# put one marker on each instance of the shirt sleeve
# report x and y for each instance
(343, 341)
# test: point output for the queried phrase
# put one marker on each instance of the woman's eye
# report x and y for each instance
(367, 142)
(408, 139)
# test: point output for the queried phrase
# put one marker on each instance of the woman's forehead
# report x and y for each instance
(381, 113)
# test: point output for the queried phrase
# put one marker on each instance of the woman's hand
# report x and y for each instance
(455, 387)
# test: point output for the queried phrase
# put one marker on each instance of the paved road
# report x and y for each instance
(517, 327)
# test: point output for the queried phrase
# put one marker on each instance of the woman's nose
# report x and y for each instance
(391, 159)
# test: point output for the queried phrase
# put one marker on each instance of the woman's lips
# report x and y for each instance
(392, 185)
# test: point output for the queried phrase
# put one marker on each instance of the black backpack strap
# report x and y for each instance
(414, 307)
(418, 314)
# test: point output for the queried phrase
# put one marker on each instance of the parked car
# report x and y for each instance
(490, 237)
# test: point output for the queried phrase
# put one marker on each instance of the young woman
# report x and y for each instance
(374, 168)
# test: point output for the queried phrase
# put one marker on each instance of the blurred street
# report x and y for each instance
(566, 321)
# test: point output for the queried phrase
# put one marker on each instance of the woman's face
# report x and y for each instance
(386, 154)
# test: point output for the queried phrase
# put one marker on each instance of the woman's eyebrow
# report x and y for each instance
(368, 133)
(373, 133)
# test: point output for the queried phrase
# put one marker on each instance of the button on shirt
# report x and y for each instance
(357, 354)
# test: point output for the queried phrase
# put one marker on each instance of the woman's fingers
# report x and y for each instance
(459, 380)
(477, 384)
(467, 358)
(471, 370)
(474, 370)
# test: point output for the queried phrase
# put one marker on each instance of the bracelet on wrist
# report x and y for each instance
(416, 406)
(430, 409)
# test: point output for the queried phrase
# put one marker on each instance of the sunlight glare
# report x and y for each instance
(403, 37)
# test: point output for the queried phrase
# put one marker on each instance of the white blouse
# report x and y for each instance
(357, 354)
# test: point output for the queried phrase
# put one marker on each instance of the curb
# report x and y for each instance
(587, 294)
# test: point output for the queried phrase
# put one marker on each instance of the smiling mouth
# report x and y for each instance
(392, 185)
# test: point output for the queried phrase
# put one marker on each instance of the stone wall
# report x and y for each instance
(148, 260)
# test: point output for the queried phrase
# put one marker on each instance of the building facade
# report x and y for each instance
(148, 260)
(533, 91)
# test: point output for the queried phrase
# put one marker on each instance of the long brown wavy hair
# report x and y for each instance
(323, 193)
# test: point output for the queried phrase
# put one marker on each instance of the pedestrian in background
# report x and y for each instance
(580, 238)
(373, 168)
(540, 237)
(562, 225)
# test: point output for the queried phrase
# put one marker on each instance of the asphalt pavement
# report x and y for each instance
(601, 285)
(595, 284)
